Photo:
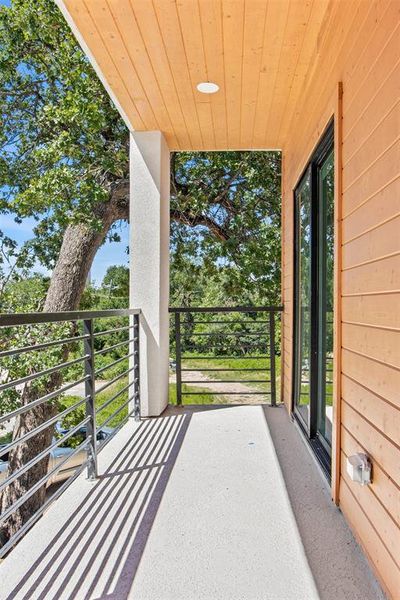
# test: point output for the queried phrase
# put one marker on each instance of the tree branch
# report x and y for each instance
(192, 220)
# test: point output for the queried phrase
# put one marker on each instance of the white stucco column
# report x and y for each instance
(149, 262)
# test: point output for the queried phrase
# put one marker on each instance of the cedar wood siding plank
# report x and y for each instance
(366, 60)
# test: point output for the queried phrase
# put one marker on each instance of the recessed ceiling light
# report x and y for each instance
(206, 87)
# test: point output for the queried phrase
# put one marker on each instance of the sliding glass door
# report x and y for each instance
(313, 300)
(303, 298)
(325, 300)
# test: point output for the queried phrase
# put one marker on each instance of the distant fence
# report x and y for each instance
(216, 341)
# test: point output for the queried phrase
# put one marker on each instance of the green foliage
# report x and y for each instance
(28, 363)
(63, 147)
(77, 415)
(205, 398)
(226, 240)
(27, 295)
(24, 294)
(6, 438)
(116, 283)
(261, 364)
(15, 264)
(62, 143)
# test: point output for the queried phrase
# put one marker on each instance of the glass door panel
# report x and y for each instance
(303, 201)
(313, 300)
(325, 299)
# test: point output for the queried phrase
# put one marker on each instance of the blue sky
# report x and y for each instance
(109, 254)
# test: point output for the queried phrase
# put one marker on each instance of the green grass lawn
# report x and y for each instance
(207, 398)
(79, 414)
(260, 364)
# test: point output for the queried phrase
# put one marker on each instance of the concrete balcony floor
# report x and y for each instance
(203, 503)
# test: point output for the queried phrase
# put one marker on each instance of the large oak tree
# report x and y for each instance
(64, 162)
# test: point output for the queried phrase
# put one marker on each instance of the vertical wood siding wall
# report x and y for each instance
(361, 48)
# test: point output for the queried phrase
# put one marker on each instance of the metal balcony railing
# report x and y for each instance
(220, 338)
(54, 360)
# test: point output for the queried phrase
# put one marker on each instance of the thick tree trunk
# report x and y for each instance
(68, 280)
(79, 246)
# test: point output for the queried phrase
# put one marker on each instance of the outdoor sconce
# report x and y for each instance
(359, 468)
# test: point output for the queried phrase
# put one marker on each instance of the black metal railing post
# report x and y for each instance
(178, 358)
(136, 366)
(121, 408)
(272, 356)
(90, 394)
(257, 333)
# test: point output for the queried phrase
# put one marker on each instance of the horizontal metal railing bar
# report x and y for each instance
(115, 362)
(37, 347)
(41, 400)
(25, 528)
(112, 381)
(194, 341)
(224, 309)
(115, 330)
(15, 382)
(42, 455)
(42, 482)
(41, 427)
(110, 437)
(248, 350)
(231, 381)
(111, 400)
(224, 333)
(250, 322)
(226, 393)
(116, 412)
(257, 369)
(109, 348)
(47, 340)
(10, 320)
(247, 347)
(224, 357)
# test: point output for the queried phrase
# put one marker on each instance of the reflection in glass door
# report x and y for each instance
(325, 300)
(313, 300)
(303, 294)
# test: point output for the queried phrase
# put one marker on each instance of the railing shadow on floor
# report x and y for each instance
(97, 553)
(136, 485)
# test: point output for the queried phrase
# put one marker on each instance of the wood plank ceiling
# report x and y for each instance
(153, 54)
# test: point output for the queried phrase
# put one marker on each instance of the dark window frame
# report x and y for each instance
(310, 430)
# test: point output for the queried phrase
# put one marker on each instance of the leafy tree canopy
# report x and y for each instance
(64, 150)
(116, 281)
(226, 207)
(62, 143)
